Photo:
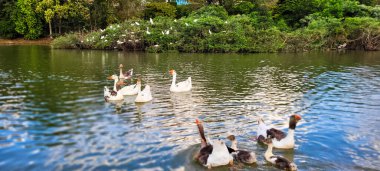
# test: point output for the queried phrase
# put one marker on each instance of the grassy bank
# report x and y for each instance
(211, 29)
(19, 41)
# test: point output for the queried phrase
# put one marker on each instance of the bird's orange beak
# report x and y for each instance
(197, 121)
(298, 117)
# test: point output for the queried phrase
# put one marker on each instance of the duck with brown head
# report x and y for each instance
(281, 139)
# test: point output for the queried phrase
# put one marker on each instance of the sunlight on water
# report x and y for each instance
(53, 115)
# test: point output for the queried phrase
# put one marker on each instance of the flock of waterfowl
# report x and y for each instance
(121, 88)
(212, 153)
(217, 153)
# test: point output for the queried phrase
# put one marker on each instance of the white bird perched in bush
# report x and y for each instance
(137, 23)
(209, 31)
(147, 30)
(151, 21)
(186, 24)
(167, 32)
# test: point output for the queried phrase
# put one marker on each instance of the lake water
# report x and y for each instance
(53, 115)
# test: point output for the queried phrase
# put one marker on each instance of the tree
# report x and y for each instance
(294, 10)
(7, 26)
(46, 7)
(27, 21)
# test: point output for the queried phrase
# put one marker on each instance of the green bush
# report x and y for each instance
(210, 29)
(363, 33)
(210, 11)
(186, 10)
(302, 40)
(7, 25)
(155, 9)
(267, 40)
(162, 33)
(7, 29)
(243, 8)
(69, 41)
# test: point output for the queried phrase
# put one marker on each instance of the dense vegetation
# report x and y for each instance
(202, 26)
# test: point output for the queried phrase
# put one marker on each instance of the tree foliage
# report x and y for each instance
(27, 21)
(156, 9)
(7, 26)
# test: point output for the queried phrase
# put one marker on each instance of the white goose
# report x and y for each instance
(213, 154)
(112, 95)
(181, 86)
(126, 75)
(281, 140)
(131, 89)
(278, 161)
(145, 95)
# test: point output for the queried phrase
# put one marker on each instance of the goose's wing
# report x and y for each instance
(245, 156)
(146, 90)
(281, 162)
(204, 154)
(230, 150)
(207, 149)
(278, 134)
(261, 131)
(183, 84)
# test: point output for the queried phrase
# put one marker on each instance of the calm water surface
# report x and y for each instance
(53, 115)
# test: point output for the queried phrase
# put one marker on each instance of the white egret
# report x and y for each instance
(151, 21)
(147, 30)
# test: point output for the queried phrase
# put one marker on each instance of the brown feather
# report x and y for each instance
(278, 134)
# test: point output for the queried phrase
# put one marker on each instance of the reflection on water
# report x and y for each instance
(53, 115)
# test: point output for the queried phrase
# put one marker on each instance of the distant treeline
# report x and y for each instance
(201, 26)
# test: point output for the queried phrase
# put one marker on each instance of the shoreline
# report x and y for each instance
(21, 41)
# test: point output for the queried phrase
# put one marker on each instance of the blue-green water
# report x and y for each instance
(53, 115)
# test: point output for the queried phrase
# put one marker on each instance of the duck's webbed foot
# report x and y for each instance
(231, 162)
(209, 166)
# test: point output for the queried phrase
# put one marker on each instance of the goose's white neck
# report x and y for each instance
(121, 72)
(269, 153)
(290, 133)
(234, 145)
(114, 84)
(174, 79)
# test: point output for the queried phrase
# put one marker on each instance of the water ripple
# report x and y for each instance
(53, 117)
